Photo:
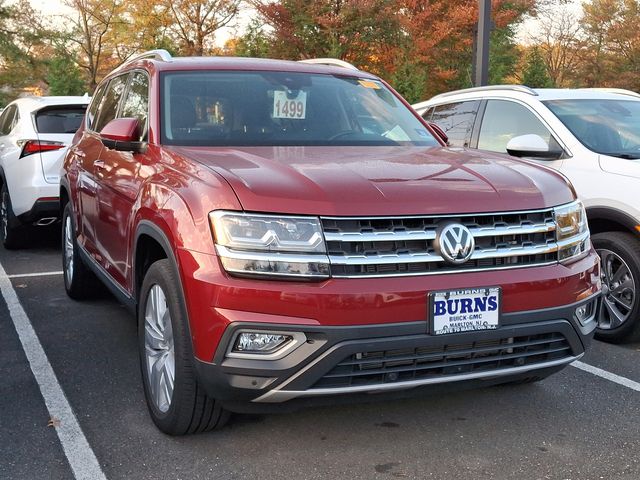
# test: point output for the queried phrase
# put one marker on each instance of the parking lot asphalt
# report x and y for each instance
(573, 425)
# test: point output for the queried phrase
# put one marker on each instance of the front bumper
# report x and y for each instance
(365, 359)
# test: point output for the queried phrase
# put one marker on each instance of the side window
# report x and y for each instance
(504, 120)
(95, 103)
(109, 104)
(6, 120)
(136, 104)
(428, 114)
(456, 119)
(16, 117)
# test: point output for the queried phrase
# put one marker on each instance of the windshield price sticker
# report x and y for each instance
(287, 106)
(370, 84)
(465, 310)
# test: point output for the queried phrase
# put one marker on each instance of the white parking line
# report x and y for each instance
(612, 377)
(37, 274)
(81, 458)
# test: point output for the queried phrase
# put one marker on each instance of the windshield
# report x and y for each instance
(609, 127)
(281, 108)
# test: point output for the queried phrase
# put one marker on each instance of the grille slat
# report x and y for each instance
(360, 247)
(378, 367)
(472, 350)
(446, 363)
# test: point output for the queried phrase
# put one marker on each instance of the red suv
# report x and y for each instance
(289, 232)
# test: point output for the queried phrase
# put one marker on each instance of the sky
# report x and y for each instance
(54, 8)
(50, 7)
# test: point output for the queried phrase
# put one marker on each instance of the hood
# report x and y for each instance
(380, 180)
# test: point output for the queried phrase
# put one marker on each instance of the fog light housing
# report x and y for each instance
(264, 345)
(585, 312)
(260, 342)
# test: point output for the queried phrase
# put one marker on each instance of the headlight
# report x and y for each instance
(286, 246)
(572, 232)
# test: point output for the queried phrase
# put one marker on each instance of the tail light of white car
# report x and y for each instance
(29, 147)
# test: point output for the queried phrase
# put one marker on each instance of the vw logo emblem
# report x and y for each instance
(454, 243)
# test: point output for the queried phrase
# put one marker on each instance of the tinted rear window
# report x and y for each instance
(60, 119)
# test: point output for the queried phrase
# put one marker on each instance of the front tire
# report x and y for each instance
(619, 316)
(11, 230)
(176, 402)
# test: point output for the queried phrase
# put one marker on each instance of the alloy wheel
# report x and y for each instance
(4, 215)
(619, 291)
(68, 249)
(159, 348)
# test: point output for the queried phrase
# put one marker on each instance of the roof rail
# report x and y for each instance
(619, 91)
(488, 88)
(159, 54)
(334, 62)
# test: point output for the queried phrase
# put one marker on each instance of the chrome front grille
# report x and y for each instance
(398, 246)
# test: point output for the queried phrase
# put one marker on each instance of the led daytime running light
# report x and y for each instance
(572, 232)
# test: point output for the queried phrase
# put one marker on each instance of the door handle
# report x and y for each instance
(99, 164)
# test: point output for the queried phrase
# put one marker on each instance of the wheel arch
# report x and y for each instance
(158, 246)
(64, 198)
(65, 194)
(151, 244)
(608, 219)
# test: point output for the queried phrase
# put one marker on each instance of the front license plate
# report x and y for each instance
(465, 310)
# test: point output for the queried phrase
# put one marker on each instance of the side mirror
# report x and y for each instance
(123, 134)
(533, 146)
(440, 132)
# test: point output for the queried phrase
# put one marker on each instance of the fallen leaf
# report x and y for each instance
(53, 422)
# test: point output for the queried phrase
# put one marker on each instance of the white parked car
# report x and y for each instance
(590, 135)
(34, 135)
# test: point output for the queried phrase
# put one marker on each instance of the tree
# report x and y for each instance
(146, 26)
(439, 37)
(23, 48)
(95, 20)
(195, 22)
(64, 77)
(535, 72)
(409, 81)
(504, 54)
(363, 32)
(255, 42)
(611, 50)
(423, 47)
(558, 41)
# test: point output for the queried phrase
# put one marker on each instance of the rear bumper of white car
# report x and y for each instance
(28, 196)
(45, 211)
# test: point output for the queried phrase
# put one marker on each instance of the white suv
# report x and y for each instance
(590, 135)
(34, 135)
